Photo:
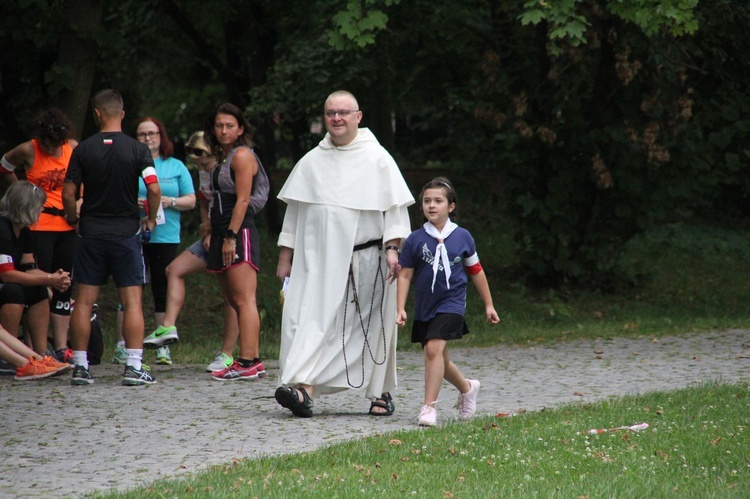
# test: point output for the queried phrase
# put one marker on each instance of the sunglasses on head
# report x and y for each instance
(52, 128)
(194, 151)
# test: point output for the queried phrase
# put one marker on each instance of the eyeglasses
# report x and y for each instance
(341, 112)
(150, 135)
(52, 128)
(194, 151)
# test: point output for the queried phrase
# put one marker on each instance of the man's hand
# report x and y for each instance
(391, 258)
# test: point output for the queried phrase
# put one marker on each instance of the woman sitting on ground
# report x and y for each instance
(22, 285)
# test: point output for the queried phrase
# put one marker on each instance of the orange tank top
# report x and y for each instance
(48, 174)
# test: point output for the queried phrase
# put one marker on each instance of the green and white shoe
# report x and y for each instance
(120, 356)
(222, 361)
(162, 356)
(161, 337)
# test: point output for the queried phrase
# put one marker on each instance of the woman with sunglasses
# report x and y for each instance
(177, 195)
(195, 258)
(45, 161)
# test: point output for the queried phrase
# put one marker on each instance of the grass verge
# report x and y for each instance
(697, 445)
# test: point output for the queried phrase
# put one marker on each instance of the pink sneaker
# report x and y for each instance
(427, 416)
(236, 371)
(467, 402)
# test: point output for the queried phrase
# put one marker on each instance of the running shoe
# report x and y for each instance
(236, 371)
(120, 356)
(81, 376)
(55, 364)
(64, 355)
(162, 356)
(467, 402)
(222, 361)
(7, 369)
(161, 337)
(37, 369)
(427, 416)
(137, 377)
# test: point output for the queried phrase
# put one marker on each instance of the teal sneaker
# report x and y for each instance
(222, 361)
(137, 377)
(120, 356)
(162, 356)
(161, 337)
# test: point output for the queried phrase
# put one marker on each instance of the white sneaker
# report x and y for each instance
(222, 361)
(427, 416)
(467, 402)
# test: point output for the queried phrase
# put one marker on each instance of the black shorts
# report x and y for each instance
(97, 259)
(248, 250)
(56, 250)
(440, 327)
(14, 293)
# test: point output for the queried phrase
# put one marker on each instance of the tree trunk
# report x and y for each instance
(381, 107)
(78, 51)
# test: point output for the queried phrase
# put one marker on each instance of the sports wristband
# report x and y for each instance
(230, 234)
(7, 164)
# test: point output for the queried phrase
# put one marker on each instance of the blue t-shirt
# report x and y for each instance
(175, 181)
(418, 253)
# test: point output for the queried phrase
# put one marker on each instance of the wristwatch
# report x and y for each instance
(230, 234)
(174, 202)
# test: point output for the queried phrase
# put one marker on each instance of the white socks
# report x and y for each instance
(135, 356)
(81, 358)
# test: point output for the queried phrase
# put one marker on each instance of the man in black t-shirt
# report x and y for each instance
(109, 164)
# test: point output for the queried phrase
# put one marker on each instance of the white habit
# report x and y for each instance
(340, 197)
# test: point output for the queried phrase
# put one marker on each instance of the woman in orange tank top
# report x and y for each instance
(44, 161)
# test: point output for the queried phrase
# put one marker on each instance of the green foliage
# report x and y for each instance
(359, 23)
(600, 141)
(566, 22)
(589, 120)
(675, 16)
(59, 78)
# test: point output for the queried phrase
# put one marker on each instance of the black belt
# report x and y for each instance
(369, 244)
(50, 210)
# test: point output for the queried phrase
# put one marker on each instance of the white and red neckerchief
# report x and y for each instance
(441, 254)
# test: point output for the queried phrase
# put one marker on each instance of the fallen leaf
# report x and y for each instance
(716, 441)
(598, 352)
(521, 411)
(578, 394)
(395, 441)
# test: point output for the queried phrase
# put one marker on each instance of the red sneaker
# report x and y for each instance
(236, 371)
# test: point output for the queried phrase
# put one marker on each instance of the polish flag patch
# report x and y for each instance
(107, 142)
(6, 263)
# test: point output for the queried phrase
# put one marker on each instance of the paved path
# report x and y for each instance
(57, 440)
